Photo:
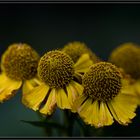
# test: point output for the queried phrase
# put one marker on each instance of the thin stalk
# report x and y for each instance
(69, 121)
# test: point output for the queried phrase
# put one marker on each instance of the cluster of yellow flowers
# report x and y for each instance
(74, 78)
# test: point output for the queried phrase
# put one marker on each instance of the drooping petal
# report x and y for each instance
(83, 110)
(8, 87)
(35, 97)
(74, 89)
(83, 63)
(62, 99)
(136, 90)
(82, 105)
(104, 115)
(50, 104)
(131, 90)
(77, 104)
(72, 93)
(79, 88)
(93, 115)
(114, 113)
(123, 108)
(30, 84)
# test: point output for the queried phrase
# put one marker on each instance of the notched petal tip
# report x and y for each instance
(35, 97)
(7, 96)
(50, 104)
(8, 87)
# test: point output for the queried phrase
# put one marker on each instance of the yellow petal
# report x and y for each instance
(8, 87)
(62, 99)
(132, 91)
(30, 84)
(83, 104)
(104, 115)
(98, 117)
(83, 63)
(131, 97)
(122, 108)
(128, 88)
(136, 88)
(92, 114)
(35, 97)
(79, 88)
(78, 102)
(74, 89)
(92, 117)
(118, 114)
(72, 93)
(114, 113)
(50, 105)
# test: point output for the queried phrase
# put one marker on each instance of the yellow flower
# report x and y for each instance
(127, 57)
(76, 49)
(19, 65)
(60, 86)
(105, 96)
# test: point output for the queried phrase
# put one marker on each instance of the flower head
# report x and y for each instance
(56, 69)
(105, 97)
(127, 56)
(19, 63)
(102, 82)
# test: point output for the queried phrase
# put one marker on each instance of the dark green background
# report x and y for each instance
(48, 26)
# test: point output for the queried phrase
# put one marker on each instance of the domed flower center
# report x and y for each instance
(20, 62)
(76, 49)
(127, 56)
(56, 69)
(102, 81)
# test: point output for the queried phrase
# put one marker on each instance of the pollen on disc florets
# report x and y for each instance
(127, 56)
(102, 82)
(76, 49)
(56, 69)
(20, 61)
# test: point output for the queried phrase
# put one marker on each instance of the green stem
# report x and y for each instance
(69, 121)
(85, 130)
(81, 126)
(46, 118)
(55, 125)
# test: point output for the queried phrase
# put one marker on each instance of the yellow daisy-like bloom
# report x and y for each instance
(60, 86)
(76, 49)
(127, 56)
(19, 65)
(105, 96)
